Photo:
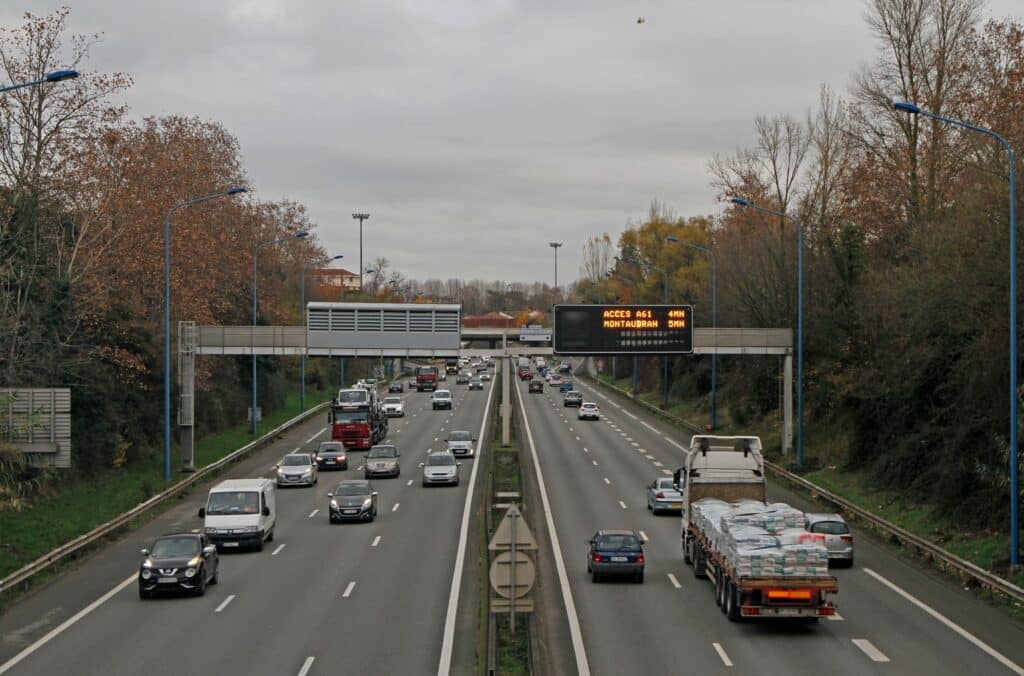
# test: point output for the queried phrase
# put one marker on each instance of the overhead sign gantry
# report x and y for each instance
(623, 329)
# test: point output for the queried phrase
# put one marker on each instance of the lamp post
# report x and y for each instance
(714, 317)
(55, 76)
(360, 217)
(664, 359)
(916, 110)
(255, 256)
(799, 320)
(302, 311)
(167, 316)
(555, 246)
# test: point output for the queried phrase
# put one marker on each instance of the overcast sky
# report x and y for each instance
(476, 131)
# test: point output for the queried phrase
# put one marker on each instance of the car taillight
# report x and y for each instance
(846, 538)
(597, 557)
(640, 559)
(660, 495)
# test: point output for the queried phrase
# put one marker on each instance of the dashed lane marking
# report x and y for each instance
(869, 649)
(607, 481)
(622, 504)
(313, 513)
(313, 438)
(277, 550)
(667, 471)
(409, 482)
(595, 462)
(348, 590)
(306, 665)
(376, 541)
(224, 603)
(648, 426)
(674, 581)
(721, 653)
(395, 508)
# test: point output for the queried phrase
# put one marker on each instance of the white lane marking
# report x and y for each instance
(658, 464)
(648, 426)
(376, 541)
(577, 438)
(607, 482)
(622, 504)
(395, 508)
(224, 603)
(360, 468)
(630, 414)
(674, 581)
(313, 513)
(721, 653)
(616, 405)
(576, 635)
(630, 439)
(870, 650)
(643, 537)
(348, 590)
(1005, 661)
(595, 462)
(296, 449)
(313, 438)
(11, 663)
(306, 665)
(409, 482)
(623, 434)
(435, 438)
(834, 617)
(641, 450)
(448, 640)
(277, 550)
(649, 456)
(586, 449)
(667, 471)
(633, 443)
(677, 445)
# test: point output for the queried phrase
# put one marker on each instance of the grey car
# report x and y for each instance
(662, 497)
(331, 455)
(382, 460)
(838, 539)
(461, 442)
(352, 500)
(441, 468)
(296, 469)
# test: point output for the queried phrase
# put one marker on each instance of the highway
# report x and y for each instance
(321, 598)
(595, 474)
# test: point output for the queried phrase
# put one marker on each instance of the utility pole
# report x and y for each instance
(555, 246)
(361, 217)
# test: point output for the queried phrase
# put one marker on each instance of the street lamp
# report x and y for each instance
(167, 315)
(664, 358)
(555, 246)
(714, 317)
(799, 320)
(916, 110)
(255, 255)
(302, 310)
(360, 217)
(55, 76)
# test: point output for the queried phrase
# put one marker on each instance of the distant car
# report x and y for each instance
(485, 376)
(565, 386)
(179, 562)
(331, 455)
(554, 380)
(572, 398)
(352, 500)
(296, 469)
(838, 539)
(462, 378)
(440, 468)
(441, 399)
(393, 407)
(564, 368)
(396, 386)
(525, 374)
(535, 386)
(588, 411)
(663, 497)
(615, 552)
(382, 460)
(461, 442)
(411, 382)
(476, 384)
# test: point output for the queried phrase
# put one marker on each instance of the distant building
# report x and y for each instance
(339, 278)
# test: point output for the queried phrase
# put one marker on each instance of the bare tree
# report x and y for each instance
(597, 258)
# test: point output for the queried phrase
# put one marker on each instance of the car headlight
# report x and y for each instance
(249, 529)
(194, 561)
(146, 573)
(212, 531)
(319, 459)
(367, 502)
(147, 564)
(334, 503)
(280, 470)
(190, 572)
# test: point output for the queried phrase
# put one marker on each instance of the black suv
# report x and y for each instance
(395, 386)
(536, 386)
(572, 398)
(179, 562)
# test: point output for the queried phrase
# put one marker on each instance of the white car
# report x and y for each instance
(485, 376)
(588, 411)
(393, 407)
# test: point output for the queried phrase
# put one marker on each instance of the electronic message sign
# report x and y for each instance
(623, 329)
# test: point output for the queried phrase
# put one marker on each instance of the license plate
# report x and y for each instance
(164, 580)
(350, 511)
(328, 462)
(230, 544)
(619, 559)
(786, 612)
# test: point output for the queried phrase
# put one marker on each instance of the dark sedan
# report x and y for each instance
(536, 386)
(615, 552)
(180, 562)
(396, 386)
(352, 500)
(331, 455)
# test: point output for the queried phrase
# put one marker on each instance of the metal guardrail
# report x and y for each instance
(82, 541)
(943, 559)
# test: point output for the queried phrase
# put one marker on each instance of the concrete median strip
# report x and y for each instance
(225, 602)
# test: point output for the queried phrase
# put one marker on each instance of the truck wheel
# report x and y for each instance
(699, 563)
(720, 590)
(686, 553)
(732, 603)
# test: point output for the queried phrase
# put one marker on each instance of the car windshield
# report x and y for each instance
(330, 447)
(392, 400)
(352, 489)
(830, 528)
(618, 542)
(460, 436)
(295, 460)
(175, 548)
(589, 406)
(664, 483)
(240, 502)
(442, 394)
(351, 416)
(383, 452)
(440, 460)
(358, 396)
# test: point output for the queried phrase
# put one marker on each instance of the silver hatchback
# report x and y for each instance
(838, 539)
(296, 469)
(440, 468)
(461, 442)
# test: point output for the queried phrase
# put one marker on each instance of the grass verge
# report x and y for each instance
(76, 506)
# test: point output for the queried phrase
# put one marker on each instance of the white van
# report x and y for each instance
(240, 513)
